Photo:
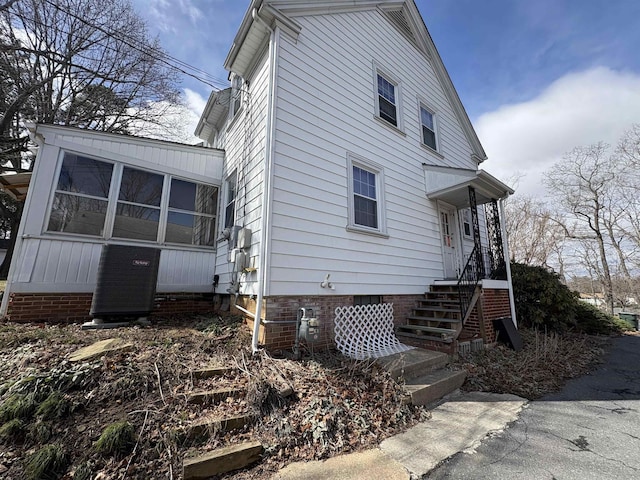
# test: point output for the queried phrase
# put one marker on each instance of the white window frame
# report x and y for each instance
(237, 84)
(463, 220)
(378, 71)
(357, 161)
(422, 105)
(232, 179)
(113, 200)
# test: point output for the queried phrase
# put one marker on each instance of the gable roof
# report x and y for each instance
(263, 15)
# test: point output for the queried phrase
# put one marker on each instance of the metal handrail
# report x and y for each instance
(469, 279)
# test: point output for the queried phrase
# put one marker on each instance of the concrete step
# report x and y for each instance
(413, 363)
(222, 460)
(431, 387)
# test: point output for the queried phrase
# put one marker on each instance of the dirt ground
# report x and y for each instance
(313, 408)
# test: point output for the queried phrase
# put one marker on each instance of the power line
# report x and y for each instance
(155, 53)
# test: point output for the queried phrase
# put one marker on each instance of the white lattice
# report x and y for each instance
(366, 331)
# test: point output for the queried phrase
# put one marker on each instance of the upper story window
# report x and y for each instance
(428, 123)
(366, 197)
(236, 95)
(230, 203)
(104, 199)
(387, 100)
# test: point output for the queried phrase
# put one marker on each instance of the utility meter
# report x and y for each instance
(308, 324)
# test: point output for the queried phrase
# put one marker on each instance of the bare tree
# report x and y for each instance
(84, 63)
(582, 184)
(534, 238)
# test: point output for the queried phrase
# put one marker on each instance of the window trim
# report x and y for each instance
(113, 200)
(379, 71)
(231, 178)
(357, 161)
(422, 104)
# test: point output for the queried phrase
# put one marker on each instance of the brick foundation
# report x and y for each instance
(493, 303)
(279, 316)
(75, 307)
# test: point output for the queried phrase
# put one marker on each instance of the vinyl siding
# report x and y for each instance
(325, 110)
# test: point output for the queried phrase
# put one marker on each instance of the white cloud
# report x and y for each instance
(579, 109)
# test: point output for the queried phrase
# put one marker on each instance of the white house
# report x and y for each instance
(350, 176)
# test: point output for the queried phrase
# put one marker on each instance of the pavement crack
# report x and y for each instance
(582, 444)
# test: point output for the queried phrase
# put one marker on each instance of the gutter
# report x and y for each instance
(268, 177)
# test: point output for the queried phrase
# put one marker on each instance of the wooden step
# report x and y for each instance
(202, 428)
(213, 396)
(418, 318)
(438, 309)
(211, 371)
(439, 339)
(222, 460)
(430, 388)
(422, 328)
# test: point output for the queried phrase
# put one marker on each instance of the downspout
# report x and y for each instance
(267, 178)
(507, 260)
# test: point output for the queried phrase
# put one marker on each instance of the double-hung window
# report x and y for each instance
(105, 200)
(428, 124)
(236, 95)
(387, 100)
(466, 223)
(366, 197)
(230, 204)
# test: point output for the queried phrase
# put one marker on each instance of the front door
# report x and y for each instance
(448, 232)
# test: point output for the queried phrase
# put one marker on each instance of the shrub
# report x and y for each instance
(48, 462)
(83, 472)
(541, 299)
(593, 321)
(116, 439)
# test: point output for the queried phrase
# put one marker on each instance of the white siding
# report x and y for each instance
(49, 262)
(245, 139)
(326, 108)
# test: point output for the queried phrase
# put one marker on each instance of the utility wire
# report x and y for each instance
(152, 52)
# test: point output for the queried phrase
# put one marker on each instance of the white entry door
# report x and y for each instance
(449, 242)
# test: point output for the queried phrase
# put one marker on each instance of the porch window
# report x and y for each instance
(82, 195)
(138, 207)
(103, 199)
(191, 217)
(428, 123)
(366, 212)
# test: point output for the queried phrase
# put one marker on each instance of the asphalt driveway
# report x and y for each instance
(589, 430)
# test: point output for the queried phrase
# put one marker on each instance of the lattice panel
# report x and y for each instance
(367, 331)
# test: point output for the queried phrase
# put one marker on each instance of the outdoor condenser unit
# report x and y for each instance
(127, 278)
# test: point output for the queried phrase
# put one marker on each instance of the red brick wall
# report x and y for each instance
(494, 304)
(74, 307)
(280, 314)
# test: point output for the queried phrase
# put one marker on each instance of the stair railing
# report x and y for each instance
(469, 279)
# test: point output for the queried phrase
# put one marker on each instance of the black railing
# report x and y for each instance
(471, 275)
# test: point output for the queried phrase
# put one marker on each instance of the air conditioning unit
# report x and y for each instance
(127, 277)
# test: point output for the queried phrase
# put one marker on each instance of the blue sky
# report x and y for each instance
(537, 77)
